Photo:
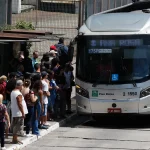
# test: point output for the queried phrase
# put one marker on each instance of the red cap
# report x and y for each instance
(53, 48)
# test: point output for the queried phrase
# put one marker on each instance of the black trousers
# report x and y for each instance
(68, 98)
(29, 118)
(2, 130)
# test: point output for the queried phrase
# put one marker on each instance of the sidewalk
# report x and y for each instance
(54, 125)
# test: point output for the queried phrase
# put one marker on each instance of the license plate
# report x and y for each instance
(114, 110)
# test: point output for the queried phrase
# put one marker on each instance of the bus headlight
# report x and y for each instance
(82, 91)
(145, 92)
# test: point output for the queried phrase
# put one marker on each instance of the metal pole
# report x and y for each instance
(37, 5)
(9, 12)
(94, 7)
(80, 11)
(121, 2)
(115, 3)
(83, 5)
(108, 4)
(101, 5)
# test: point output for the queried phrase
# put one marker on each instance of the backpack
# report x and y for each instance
(63, 57)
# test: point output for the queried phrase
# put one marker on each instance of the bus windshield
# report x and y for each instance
(113, 59)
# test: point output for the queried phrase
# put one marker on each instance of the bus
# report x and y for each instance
(113, 64)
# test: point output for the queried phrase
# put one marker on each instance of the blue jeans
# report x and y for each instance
(29, 118)
(36, 117)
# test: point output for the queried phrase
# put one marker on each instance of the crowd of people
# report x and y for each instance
(36, 92)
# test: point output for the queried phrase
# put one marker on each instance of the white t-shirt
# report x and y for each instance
(14, 105)
(45, 88)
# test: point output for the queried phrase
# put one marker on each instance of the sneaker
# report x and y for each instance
(3, 148)
(29, 135)
(47, 124)
(69, 112)
(43, 127)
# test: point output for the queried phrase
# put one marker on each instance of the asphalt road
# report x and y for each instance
(109, 133)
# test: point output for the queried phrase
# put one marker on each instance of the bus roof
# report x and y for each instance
(117, 23)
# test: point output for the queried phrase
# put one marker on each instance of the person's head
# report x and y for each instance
(1, 99)
(20, 56)
(19, 84)
(27, 83)
(55, 62)
(44, 75)
(51, 74)
(12, 75)
(61, 40)
(3, 79)
(37, 85)
(36, 77)
(35, 54)
(53, 53)
(37, 66)
(45, 57)
(53, 47)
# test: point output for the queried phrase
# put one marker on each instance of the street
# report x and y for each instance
(109, 133)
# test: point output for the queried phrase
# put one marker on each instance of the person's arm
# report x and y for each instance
(8, 92)
(7, 118)
(50, 88)
(41, 99)
(55, 86)
(33, 97)
(46, 93)
(19, 102)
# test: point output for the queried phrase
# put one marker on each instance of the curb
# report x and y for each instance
(34, 138)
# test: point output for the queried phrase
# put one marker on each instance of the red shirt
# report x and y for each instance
(3, 88)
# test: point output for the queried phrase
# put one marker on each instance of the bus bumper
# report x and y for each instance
(96, 106)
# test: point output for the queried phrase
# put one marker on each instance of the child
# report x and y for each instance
(3, 116)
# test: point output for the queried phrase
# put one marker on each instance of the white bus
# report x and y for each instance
(113, 64)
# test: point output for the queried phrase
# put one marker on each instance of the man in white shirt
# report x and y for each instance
(19, 110)
(46, 93)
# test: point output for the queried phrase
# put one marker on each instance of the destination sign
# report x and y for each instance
(99, 51)
(114, 43)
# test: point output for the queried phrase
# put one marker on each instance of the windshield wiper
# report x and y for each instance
(133, 81)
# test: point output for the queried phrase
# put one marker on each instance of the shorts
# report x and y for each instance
(18, 125)
(45, 110)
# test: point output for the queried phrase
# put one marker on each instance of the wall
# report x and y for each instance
(3, 12)
(29, 2)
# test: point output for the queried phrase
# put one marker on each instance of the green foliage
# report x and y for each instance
(24, 25)
(7, 27)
